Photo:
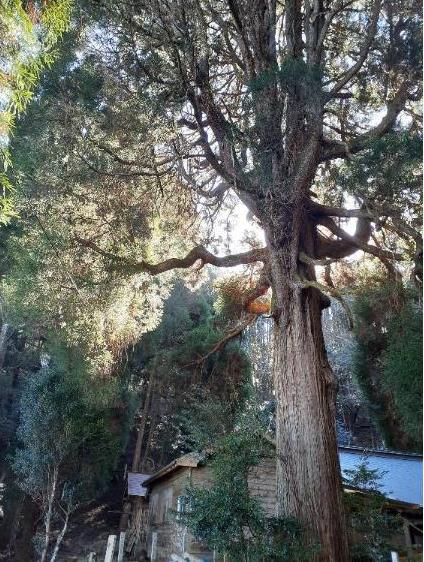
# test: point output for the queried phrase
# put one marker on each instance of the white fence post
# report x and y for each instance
(121, 546)
(110, 548)
(395, 556)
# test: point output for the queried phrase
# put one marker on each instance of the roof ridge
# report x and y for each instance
(388, 452)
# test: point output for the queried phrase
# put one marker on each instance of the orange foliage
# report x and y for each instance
(259, 307)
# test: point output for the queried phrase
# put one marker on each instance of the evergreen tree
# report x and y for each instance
(176, 380)
(257, 99)
(29, 32)
(269, 94)
(388, 361)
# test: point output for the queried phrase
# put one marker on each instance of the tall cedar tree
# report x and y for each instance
(264, 96)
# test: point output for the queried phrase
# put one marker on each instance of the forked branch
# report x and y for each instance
(337, 149)
(355, 241)
(354, 69)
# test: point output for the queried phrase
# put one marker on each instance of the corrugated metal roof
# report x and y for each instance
(402, 477)
(136, 484)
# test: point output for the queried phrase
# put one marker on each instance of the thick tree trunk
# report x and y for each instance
(308, 473)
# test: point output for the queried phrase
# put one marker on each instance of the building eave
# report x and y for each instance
(388, 502)
(380, 452)
(191, 460)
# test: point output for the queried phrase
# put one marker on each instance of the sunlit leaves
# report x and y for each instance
(28, 39)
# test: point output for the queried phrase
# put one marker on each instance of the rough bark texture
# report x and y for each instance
(308, 465)
(309, 484)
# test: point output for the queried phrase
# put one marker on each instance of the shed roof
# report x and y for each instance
(188, 460)
(402, 473)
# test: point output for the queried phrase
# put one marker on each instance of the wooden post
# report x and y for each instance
(110, 548)
(408, 542)
(121, 546)
(123, 522)
(154, 546)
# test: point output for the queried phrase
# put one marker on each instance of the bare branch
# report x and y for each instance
(304, 258)
(393, 272)
(261, 287)
(135, 173)
(327, 211)
(230, 335)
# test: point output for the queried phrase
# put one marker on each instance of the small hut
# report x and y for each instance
(168, 540)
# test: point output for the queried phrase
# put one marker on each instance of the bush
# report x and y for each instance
(227, 518)
(371, 527)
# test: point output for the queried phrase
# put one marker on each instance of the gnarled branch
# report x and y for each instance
(337, 149)
(199, 253)
(337, 249)
(356, 241)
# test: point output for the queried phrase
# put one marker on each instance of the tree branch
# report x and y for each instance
(353, 70)
(357, 242)
(328, 211)
(337, 149)
(326, 289)
(337, 249)
(324, 30)
(304, 258)
(138, 173)
(231, 334)
(199, 253)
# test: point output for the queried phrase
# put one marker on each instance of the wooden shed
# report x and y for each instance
(167, 540)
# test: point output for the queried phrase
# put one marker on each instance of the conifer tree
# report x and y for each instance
(266, 96)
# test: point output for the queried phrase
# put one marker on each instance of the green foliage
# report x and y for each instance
(69, 438)
(388, 362)
(402, 364)
(227, 517)
(204, 420)
(379, 167)
(196, 394)
(290, 74)
(386, 177)
(56, 284)
(69, 425)
(27, 44)
(371, 526)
